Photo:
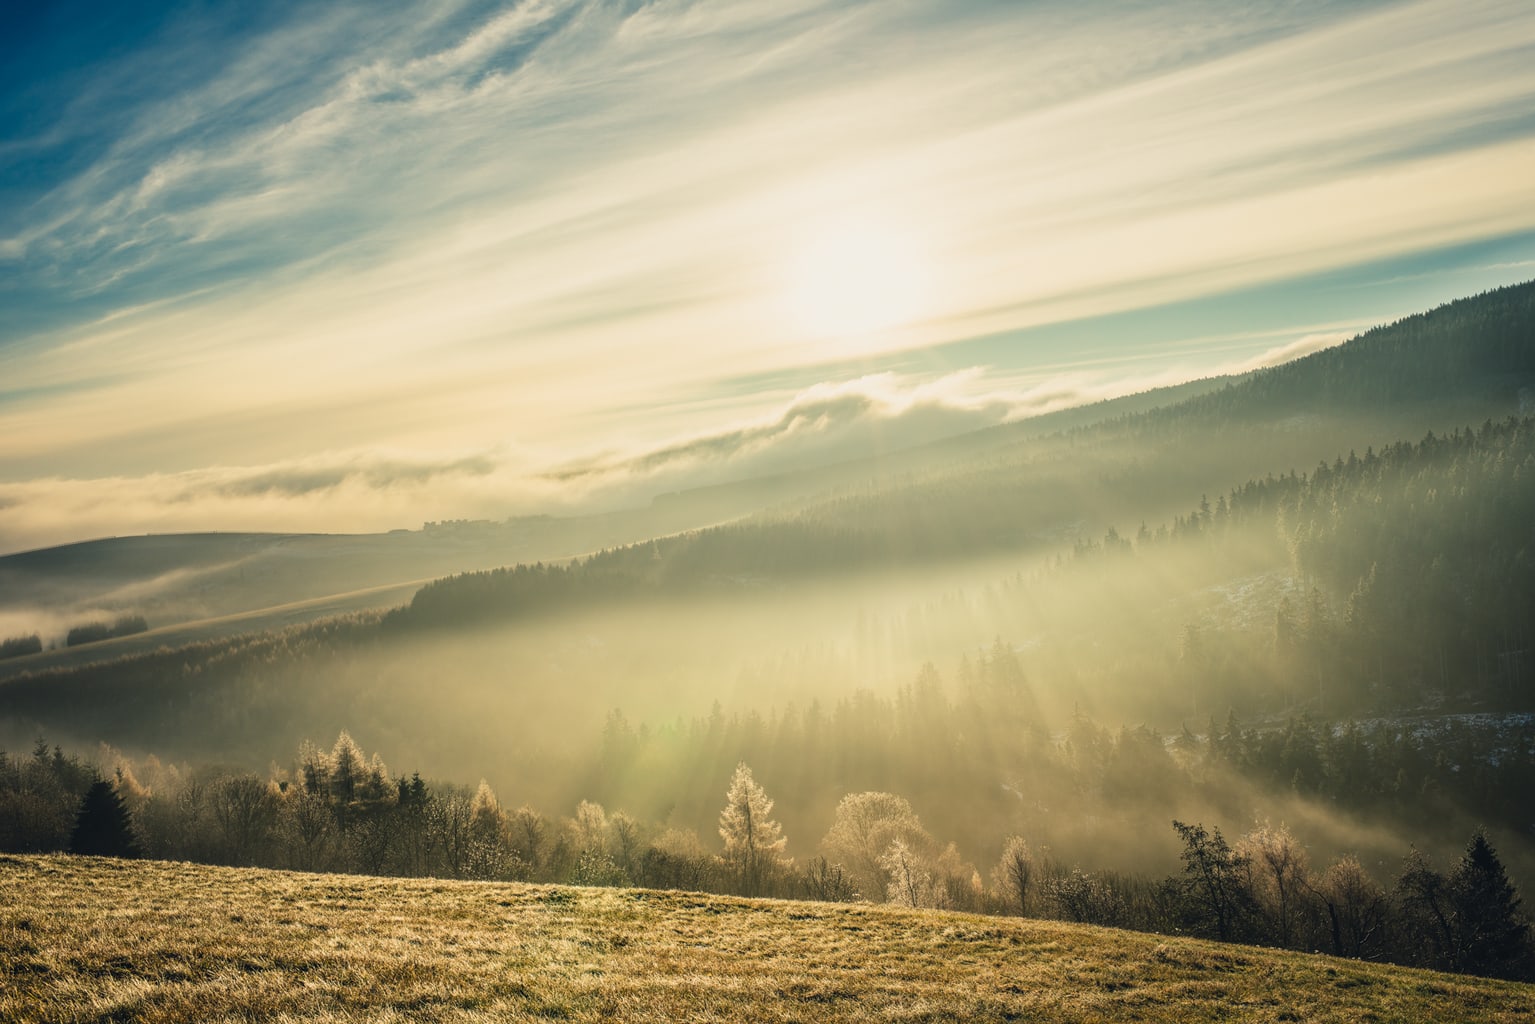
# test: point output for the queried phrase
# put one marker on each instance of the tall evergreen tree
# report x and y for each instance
(1492, 937)
(103, 827)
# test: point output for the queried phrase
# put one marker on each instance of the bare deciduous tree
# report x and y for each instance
(244, 810)
(1356, 907)
(306, 829)
(861, 833)
(909, 878)
(1014, 874)
(1279, 877)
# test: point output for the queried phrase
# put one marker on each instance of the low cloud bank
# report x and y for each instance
(374, 473)
(349, 493)
(823, 422)
(369, 491)
(372, 491)
(1294, 350)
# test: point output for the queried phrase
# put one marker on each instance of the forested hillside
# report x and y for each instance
(1418, 556)
(1412, 569)
(1470, 353)
(1421, 554)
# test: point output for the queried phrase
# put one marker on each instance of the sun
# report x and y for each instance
(856, 276)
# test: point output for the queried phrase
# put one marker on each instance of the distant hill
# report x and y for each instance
(195, 587)
(192, 587)
(1475, 354)
(1019, 487)
(98, 939)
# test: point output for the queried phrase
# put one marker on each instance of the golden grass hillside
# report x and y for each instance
(101, 940)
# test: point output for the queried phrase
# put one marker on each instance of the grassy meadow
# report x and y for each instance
(84, 939)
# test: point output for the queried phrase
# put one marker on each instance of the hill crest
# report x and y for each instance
(96, 939)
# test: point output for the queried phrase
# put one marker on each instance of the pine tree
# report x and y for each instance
(1491, 935)
(103, 827)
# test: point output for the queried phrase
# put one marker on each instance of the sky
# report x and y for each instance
(355, 266)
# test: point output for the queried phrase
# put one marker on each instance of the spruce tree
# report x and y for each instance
(1491, 935)
(103, 827)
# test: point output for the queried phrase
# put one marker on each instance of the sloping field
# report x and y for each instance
(102, 940)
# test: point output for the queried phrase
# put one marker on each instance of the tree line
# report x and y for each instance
(1415, 565)
(977, 754)
(95, 632)
(84, 633)
(17, 646)
(341, 810)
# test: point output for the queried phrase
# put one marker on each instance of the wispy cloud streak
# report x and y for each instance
(464, 226)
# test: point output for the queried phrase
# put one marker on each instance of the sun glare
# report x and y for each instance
(856, 277)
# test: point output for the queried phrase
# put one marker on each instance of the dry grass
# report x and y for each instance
(101, 940)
